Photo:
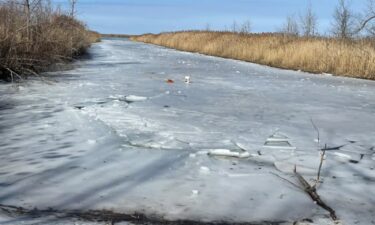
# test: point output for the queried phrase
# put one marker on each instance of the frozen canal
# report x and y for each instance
(114, 134)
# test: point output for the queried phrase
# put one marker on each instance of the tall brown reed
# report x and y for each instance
(30, 43)
(352, 58)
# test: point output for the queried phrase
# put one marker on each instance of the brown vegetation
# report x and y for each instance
(33, 37)
(352, 58)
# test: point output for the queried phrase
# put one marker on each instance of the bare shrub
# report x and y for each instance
(34, 35)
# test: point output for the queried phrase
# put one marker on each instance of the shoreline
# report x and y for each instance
(275, 50)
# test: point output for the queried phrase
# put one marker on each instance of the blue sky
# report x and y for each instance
(154, 16)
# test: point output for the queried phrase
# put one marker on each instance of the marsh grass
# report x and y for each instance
(30, 43)
(352, 58)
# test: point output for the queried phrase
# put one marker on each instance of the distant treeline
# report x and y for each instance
(116, 35)
(344, 57)
(34, 36)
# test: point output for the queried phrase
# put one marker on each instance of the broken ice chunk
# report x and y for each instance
(278, 141)
(223, 152)
(204, 170)
(228, 153)
(277, 144)
(278, 137)
(135, 98)
(348, 157)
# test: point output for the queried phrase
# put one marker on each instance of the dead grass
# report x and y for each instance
(30, 43)
(317, 55)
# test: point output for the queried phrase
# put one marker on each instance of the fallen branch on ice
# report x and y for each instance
(311, 191)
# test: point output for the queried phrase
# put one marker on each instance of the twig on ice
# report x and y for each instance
(290, 182)
(311, 191)
(322, 155)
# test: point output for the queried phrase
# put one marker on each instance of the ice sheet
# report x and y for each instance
(112, 134)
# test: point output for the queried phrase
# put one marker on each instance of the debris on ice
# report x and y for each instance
(204, 170)
(187, 79)
(135, 98)
(228, 153)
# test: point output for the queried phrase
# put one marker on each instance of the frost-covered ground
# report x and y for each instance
(113, 134)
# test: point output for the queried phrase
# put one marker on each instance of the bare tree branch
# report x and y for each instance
(309, 22)
(343, 21)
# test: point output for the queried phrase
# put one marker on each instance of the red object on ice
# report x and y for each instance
(169, 81)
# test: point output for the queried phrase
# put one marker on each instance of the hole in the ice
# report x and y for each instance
(53, 156)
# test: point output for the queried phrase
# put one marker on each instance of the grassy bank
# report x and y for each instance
(317, 55)
(34, 37)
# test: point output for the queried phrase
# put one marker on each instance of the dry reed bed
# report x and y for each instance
(317, 55)
(30, 43)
